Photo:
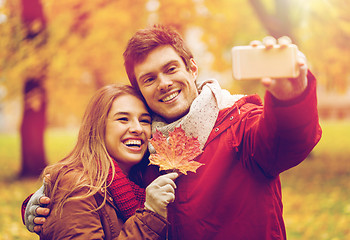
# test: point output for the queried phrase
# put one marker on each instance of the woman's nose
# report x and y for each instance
(136, 127)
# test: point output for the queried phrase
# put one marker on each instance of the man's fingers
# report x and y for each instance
(37, 229)
(269, 42)
(301, 59)
(42, 211)
(35, 199)
(284, 41)
(44, 200)
(39, 220)
(255, 43)
(47, 179)
(266, 82)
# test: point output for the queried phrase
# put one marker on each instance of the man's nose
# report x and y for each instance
(164, 82)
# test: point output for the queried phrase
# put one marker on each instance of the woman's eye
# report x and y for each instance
(148, 121)
(123, 119)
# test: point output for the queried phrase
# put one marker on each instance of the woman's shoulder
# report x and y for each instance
(67, 179)
(65, 185)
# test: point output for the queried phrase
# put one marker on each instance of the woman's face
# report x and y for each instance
(128, 129)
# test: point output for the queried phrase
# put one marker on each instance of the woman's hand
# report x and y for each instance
(160, 193)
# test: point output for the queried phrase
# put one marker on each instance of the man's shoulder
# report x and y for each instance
(239, 110)
(250, 99)
(245, 102)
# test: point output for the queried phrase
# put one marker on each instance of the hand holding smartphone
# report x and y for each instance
(258, 62)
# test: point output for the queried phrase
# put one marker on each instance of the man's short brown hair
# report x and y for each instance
(146, 40)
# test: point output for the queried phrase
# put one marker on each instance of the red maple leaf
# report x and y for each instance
(175, 153)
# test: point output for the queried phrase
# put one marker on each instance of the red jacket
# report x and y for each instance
(237, 193)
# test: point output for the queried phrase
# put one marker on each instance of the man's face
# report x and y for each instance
(168, 88)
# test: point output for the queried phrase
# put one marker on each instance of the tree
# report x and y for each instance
(34, 101)
(277, 22)
(328, 43)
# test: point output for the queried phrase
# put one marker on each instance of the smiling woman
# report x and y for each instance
(97, 191)
(127, 131)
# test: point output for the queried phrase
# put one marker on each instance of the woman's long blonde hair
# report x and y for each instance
(89, 158)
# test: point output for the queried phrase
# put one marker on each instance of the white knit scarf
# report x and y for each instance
(203, 113)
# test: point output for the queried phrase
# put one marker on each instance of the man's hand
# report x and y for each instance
(41, 214)
(285, 88)
(36, 211)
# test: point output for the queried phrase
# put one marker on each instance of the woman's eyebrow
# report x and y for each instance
(146, 115)
(127, 113)
(121, 113)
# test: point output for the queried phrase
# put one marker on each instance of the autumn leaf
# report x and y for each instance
(175, 153)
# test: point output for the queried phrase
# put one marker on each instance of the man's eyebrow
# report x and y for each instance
(170, 63)
(145, 75)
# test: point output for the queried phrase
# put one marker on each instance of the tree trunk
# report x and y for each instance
(277, 24)
(33, 128)
(34, 110)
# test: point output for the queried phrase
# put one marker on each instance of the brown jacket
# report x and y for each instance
(80, 221)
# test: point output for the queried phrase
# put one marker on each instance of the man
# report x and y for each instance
(237, 193)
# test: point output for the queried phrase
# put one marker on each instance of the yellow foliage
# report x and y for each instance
(86, 40)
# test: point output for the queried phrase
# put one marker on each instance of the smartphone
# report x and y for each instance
(257, 62)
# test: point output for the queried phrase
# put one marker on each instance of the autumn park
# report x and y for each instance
(55, 54)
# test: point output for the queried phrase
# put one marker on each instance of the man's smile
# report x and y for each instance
(170, 97)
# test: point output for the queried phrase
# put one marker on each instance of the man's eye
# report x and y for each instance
(149, 80)
(171, 69)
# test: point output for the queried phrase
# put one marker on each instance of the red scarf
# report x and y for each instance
(127, 195)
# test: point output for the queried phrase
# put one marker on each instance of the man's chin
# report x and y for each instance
(172, 117)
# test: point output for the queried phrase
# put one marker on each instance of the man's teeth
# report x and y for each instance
(131, 143)
(171, 96)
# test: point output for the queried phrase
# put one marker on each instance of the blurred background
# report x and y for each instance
(55, 54)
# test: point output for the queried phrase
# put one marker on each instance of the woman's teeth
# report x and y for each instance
(132, 143)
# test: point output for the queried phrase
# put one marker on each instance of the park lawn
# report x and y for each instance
(12, 190)
(315, 194)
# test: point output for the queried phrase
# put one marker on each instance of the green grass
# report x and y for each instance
(13, 190)
(315, 194)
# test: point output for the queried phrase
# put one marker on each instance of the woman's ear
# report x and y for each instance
(194, 68)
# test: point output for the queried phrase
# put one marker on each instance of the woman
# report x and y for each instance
(97, 188)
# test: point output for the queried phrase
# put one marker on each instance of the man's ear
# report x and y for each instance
(194, 68)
